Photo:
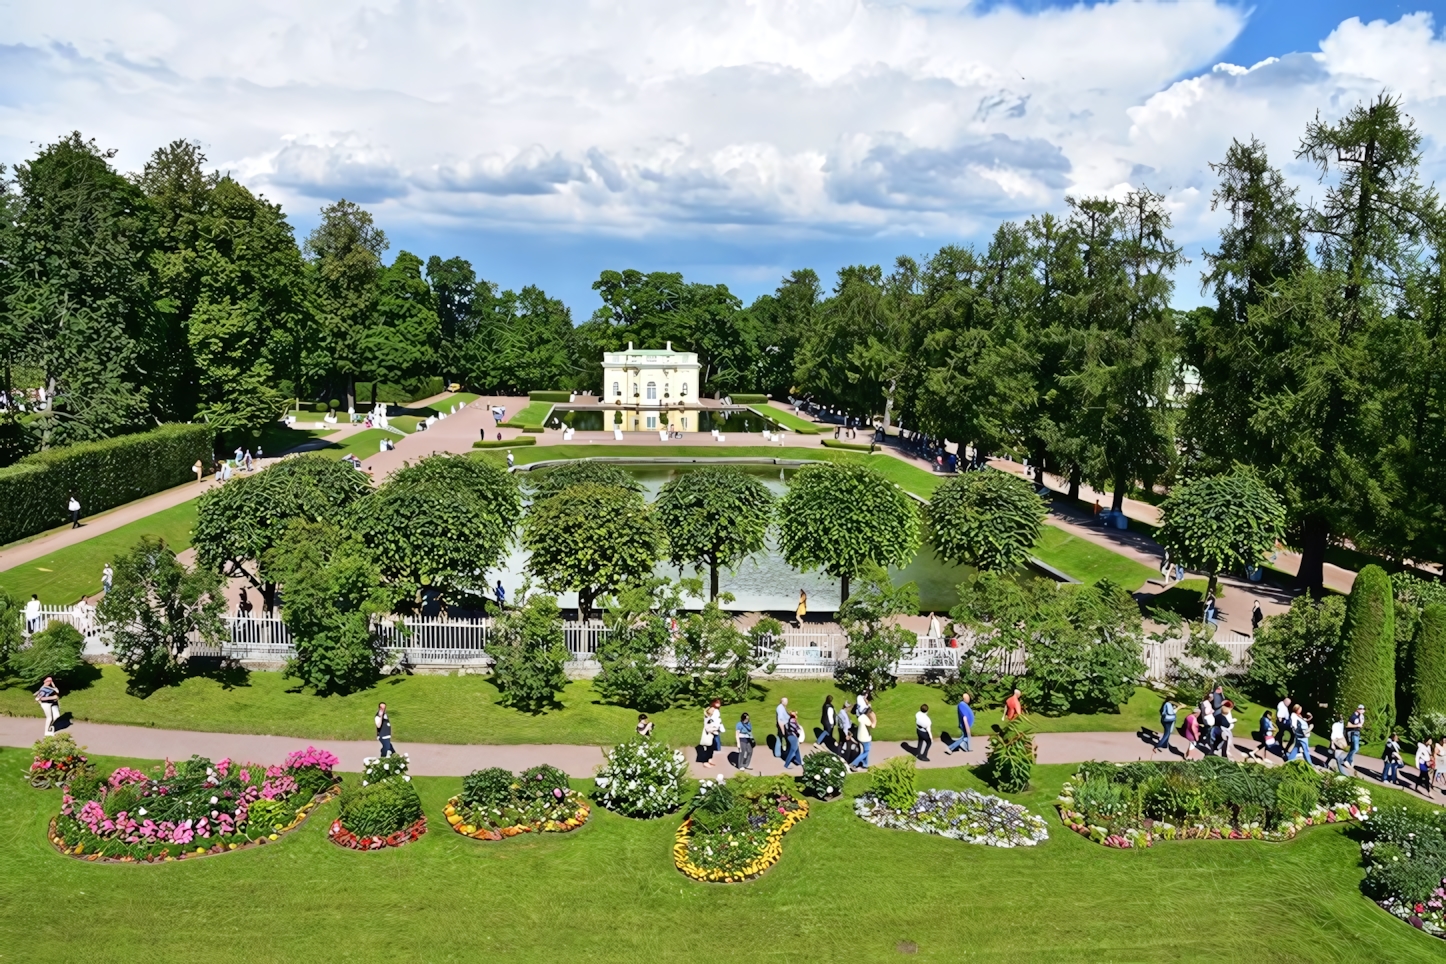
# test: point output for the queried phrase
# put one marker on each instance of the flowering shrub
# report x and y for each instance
(376, 769)
(180, 810)
(966, 815)
(383, 810)
(642, 778)
(823, 774)
(494, 804)
(312, 769)
(1135, 804)
(1405, 854)
(56, 760)
(735, 829)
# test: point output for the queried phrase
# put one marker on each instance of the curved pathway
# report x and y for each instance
(455, 760)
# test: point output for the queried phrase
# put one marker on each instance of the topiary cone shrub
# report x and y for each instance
(1011, 757)
(1428, 662)
(1364, 665)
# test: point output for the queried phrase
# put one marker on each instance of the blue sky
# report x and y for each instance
(732, 140)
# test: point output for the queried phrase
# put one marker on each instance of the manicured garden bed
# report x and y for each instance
(1405, 854)
(735, 830)
(494, 804)
(1138, 804)
(189, 809)
(380, 810)
(893, 801)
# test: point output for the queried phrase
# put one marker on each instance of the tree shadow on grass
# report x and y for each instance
(229, 673)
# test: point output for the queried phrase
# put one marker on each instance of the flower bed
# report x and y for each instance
(189, 809)
(382, 810)
(1137, 804)
(642, 778)
(735, 830)
(823, 774)
(495, 804)
(1405, 855)
(56, 762)
(967, 815)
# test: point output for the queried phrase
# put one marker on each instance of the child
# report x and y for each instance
(645, 725)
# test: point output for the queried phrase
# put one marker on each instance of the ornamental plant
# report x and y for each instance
(1011, 756)
(989, 519)
(56, 760)
(893, 783)
(378, 768)
(1221, 523)
(965, 815)
(1364, 664)
(1428, 661)
(1405, 856)
(735, 828)
(380, 809)
(642, 778)
(495, 804)
(823, 774)
(54, 651)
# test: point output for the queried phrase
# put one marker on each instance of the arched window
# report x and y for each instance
(617, 389)
(652, 391)
(683, 392)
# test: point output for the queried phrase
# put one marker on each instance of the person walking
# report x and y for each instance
(864, 724)
(1282, 723)
(48, 696)
(1300, 729)
(1391, 761)
(1191, 731)
(743, 733)
(923, 729)
(74, 506)
(1226, 721)
(1217, 703)
(712, 727)
(107, 579)
(500, 594)
(1268, 742)
(32, 614)
(1013, 707)
(200, 469)
(1424, 765)
(1208, 729)
(861, 703)
(801, 610)
(826, 721)
(384, 730)
(511, 459)
(1165, 569)
(715, 709)
(792, 733)
(966, 725)
(780, 722)
(1256, 618)
(1169, 712)
(1438, 763)
(1354, 725)
(845, 731)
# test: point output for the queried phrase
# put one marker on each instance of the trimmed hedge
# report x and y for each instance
(1428, 662)
(1365, 661)
(408, 391)
(505, 443)
(550, 396)
(532, 417)
(745, 399)
(834, 443)
(103, 475)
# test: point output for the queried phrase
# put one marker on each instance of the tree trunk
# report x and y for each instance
(713, 580)
(844, 582)
(351, 393)
(1074, 484)
(1121, 486)
(1313, 534)
(1209, 591)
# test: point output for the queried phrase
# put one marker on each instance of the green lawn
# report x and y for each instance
(278, 438)
(465, 709)
(843, 890)
(65, 575)
(1088, 562)
(363, 444)
(787, 419)
(457, 398)
(407, 423)
(533, 416)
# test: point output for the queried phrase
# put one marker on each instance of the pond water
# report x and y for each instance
(725, 420)
(765, 581)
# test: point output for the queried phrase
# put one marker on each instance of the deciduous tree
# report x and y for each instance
(987, 519)
(1221, 523)
(592, 539)
(715, 516)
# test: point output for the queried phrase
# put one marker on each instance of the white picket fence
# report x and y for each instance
(462, 642)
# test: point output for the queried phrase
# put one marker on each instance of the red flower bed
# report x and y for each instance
(345, 838)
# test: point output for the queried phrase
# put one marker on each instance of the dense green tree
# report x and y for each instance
(846, 520)
(784, 319)
(855, 356)
(155, 608)
(715, 516)
(1292, 651)
(54, 651)
(877, 642)
(715, 659)
(547, 483)
(344, 262)
(334, 597)
(1363, 667)
(987, 519)
(401, 336)
(82, 296)
(239, 522)
(591, 539)
(1221, 523)
(520, 342)
(11, 622)
(1428, 669)
(529, 652)
(638, 618)
(442, 522)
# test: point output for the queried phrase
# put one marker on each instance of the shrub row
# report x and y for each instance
(834, 443)
(748, 399)
(492, 443)
(103, 475)
(550, 396)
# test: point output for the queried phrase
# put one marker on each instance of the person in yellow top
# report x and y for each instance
(802, 609)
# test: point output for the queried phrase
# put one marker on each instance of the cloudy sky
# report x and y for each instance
(728, 139)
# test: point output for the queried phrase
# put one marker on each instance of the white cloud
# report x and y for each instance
(795, 117)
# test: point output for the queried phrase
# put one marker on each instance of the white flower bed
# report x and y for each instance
(966, 815)
(378, 768)
(642, 778)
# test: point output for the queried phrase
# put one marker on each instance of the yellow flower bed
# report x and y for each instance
(459, 824)
(772, 851)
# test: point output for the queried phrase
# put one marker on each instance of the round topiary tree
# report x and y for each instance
(1221, 523)
(846, 520)
(1364, 664)
(989, 520)
(1428, 661)
(714, 516)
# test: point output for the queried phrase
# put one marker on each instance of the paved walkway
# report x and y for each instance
(455, 760)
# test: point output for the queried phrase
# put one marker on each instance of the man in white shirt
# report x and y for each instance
(32, 614)
(780, 720)
(1282, 719)
(923, 728)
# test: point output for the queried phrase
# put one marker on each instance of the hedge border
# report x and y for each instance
(549, 396)
(492, 443)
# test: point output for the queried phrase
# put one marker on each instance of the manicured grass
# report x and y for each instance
(65, 575)
(458, 398)
(465, 709)
(278, 438)
(407, 423)
(787, 419)
(843, 890)
(533, 416)
(1088, 562)
(363, 444)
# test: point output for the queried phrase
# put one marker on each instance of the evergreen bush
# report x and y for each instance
(1364, 667)
(379, 809)
(35, 491)
(1428, 661)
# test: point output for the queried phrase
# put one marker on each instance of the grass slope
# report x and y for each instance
(1088, 562)
(464, 709)
(65, 575)
(787, 419)
(530, 417)
(363, 444)
(844, 890)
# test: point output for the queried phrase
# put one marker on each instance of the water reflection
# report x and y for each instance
(700, 420)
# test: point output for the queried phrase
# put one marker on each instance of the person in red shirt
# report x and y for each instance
(1012, 706)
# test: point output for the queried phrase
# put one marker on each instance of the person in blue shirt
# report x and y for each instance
(966, 726)
(501, 596)
(744, 732)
